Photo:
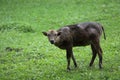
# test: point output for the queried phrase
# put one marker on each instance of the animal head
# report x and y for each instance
(52, 35)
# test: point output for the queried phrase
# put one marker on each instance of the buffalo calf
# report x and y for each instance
(83, 34)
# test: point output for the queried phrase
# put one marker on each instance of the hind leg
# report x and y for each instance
(93, 55)
(100, 57)
(99, 51)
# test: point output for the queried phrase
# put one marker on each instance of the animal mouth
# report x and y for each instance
(52, 42)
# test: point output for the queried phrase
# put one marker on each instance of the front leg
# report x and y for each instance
(68, 56)
(74, 61)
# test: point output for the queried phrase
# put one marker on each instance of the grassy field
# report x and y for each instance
(25, 54)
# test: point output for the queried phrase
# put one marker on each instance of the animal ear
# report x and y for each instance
(59, 33)
(45, 33)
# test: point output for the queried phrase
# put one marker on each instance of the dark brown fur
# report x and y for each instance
(78, 35)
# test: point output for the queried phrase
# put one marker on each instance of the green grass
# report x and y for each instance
(31, 57)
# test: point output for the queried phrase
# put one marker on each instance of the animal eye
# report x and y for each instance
(59, 33)
(48, 34)
(55, 34)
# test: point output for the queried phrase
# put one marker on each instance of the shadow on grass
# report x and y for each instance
(16, 26)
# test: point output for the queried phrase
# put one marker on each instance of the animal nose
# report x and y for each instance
(52, 41)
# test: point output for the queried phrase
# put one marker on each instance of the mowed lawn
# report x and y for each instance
(26, 54)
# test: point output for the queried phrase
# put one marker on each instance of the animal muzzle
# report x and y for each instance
(52, 41)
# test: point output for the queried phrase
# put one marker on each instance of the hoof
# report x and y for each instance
(76, 66)
(100, 66)
(90, 64)
(68, 69)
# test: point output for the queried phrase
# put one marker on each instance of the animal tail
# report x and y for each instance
(104, 33)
